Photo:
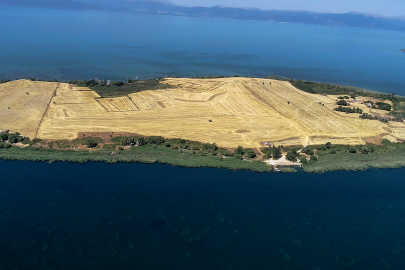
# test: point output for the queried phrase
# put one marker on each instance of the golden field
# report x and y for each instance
(243, 111)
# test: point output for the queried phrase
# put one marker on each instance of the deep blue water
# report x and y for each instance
(138, 216)
(86, 44)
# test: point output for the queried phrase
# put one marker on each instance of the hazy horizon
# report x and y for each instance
(390, 8)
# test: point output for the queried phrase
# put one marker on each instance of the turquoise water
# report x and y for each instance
(138, 216)
(85, 44)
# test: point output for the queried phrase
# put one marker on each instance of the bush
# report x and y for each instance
(5, 145)
(12, 138)
(91, 143)
(26, 141)
(4, 136)
(118, 83)
(352, 150)
(333, 151)
(303, 160)
(384, 106)
(195, 148)
(36, 140)
(342, 102)
(239, 150)
(267, 152)
(364, 151)
(155, 140)
(276, 151)
(214, 147)
(141, 142)
(307, 150)
(250, 153)
(313, 158)
(321, 148)
(291, 156)
(238, 156)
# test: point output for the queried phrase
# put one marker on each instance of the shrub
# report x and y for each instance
(333, 151)
(307, 150)
(4, 136)
(141, 142)
(239, 150)
(12, 138)
(352, 150)
(342, 102)
(195, 148)
(91, 143)
(238, 156)
(321, 148)
(364, 151)
(36, 140)
(276, 151)
(250, 153)
(26, 140)
(291, 156)
(214, 147)
(303, 160)
(5, 145)
(313, 158)
(384, 106)
(118, 83)
(155, 140)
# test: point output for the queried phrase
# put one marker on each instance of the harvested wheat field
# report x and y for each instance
(23, 104)
(227, 111)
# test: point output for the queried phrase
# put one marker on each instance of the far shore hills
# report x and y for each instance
(261, 124)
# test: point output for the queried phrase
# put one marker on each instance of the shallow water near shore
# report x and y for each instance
(66, 45)
(143, 216)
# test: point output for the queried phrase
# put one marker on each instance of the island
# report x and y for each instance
(259, 124)
(403, 50)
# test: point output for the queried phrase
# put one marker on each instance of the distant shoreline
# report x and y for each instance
(349, 19)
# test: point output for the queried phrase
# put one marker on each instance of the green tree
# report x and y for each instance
(4, 136)
(342, 102)
(276, 152)
(91, 143)
(250, 153)
(291, 156)
(12, 138)
(303, 160)
(214, 147)
(352, 150)
(313, 158)
(239, 150)
(141, 142)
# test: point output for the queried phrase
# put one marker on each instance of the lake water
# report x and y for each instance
(86, 44)
(139, 216)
